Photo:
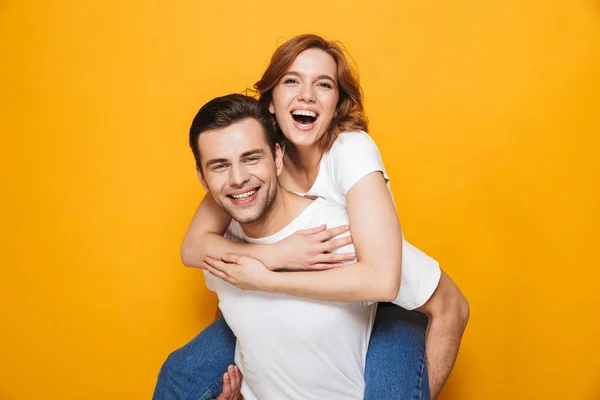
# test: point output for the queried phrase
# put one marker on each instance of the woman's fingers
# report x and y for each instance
(314, 230)
(333, 258)
(324, 266)
(335, 244)
(331, 233)
(212, 270)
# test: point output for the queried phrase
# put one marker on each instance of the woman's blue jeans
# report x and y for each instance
(395, 367)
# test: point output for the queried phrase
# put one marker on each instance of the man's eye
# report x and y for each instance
(251, 159)
(218, 167)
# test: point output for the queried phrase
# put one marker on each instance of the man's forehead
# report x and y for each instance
(232, 141)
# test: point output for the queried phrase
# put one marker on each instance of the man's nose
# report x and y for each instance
(238, 176)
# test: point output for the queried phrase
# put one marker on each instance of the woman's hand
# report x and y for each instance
(232, 384)
(310, 250)
(240, 271)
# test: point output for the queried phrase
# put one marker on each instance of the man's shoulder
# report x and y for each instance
(329, 213)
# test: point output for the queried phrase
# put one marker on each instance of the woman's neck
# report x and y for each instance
(302, 164)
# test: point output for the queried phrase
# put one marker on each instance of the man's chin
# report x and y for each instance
(244, 216)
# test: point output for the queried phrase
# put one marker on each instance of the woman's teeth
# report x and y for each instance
(306, 113)
(243, 195)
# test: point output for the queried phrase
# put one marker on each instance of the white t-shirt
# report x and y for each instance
(291, 348)
(353, 156)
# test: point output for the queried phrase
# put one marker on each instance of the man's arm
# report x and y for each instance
(448, 313)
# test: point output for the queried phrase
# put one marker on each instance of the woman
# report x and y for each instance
(317, 103)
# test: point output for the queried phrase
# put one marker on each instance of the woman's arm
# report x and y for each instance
(377, 240)
(307, 249)
(374, 277)
(204, 236)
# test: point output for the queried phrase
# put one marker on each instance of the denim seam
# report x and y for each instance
(421, 378)
(208, 395)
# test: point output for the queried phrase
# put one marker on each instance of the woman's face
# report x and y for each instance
(305, 99)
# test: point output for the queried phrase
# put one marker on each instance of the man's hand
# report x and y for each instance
(240, 271)
(310, 250)
(232, 384)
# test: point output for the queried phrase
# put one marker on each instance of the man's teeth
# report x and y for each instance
(306, 113)
(243, 195)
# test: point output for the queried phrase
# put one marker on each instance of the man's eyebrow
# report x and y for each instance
(253, 152)
(216, 161)
(294, 73)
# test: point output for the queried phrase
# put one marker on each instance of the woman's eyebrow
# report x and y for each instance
(324, 76)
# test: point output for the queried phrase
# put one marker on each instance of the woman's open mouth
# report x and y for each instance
(304, 119)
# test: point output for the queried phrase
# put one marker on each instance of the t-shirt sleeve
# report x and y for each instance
(234, 232)
(353, 156)
(420, 277)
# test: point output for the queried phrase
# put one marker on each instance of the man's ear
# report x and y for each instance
(271, 107)
(201, 178)
(278, 159)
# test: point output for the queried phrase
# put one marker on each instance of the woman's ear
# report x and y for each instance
(271, 107)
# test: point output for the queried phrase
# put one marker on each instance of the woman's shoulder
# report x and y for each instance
(353, 143)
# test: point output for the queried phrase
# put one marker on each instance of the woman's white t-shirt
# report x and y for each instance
(353, 156)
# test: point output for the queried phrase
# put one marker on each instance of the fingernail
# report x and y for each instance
(230, 368)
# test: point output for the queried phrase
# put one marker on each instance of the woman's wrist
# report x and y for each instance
(266, 253)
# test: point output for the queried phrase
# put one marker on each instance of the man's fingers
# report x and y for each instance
(312, 231)
(226, 386)
(331, 233)
(234, 380)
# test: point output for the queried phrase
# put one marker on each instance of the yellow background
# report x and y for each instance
(487, 115)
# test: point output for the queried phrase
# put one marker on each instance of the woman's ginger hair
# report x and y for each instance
(349, 114)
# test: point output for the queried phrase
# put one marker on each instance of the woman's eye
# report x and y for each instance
(289, 81)
(325, 85)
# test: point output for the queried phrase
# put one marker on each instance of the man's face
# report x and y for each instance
(239, 169)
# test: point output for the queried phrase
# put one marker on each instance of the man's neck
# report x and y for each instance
(285, 207)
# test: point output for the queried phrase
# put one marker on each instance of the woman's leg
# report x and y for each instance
(195, 371)
(395, 367)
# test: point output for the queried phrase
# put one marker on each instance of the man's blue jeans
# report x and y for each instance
(395, 367)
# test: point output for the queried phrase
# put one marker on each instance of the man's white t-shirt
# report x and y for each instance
(291, 348)
(353, 156)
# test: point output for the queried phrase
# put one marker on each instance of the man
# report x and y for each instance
(239, 167)
(287, 347)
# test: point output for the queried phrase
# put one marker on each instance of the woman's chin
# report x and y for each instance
(303, 139)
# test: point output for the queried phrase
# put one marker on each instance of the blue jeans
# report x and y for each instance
(395, 367)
